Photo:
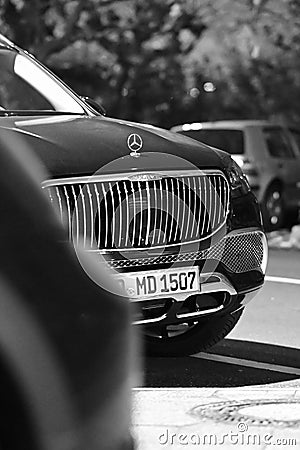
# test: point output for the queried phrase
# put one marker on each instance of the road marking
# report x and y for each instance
(282, 280)
(248, 363)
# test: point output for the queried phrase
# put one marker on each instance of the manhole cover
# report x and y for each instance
(281, 413)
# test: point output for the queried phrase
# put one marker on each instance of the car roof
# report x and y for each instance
(224, 124)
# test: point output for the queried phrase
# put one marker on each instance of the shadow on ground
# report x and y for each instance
(196, 372)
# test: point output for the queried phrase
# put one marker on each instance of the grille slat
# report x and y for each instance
(98, 213)
(106, 216)
(189, 208)
(127, 213)
(119, 212)
(200, 204)
(75, 216)
(113, 213)
(173, 228)
(210, 203)
(215, 202)
(91, 217)
(83, 215)
(148, 214)
(138, 214)
(167, 215)
(59, 203)
(194, 209)
(183, 209)
(155, 211)
(160, 209)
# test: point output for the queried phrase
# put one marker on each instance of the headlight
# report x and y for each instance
(237, 179)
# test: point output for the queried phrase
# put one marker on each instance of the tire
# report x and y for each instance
(272, 208)
(199, 337)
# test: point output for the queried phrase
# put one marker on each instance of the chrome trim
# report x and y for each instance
(194, 191)
(76, 216)
(178, 209)
(84, 215)
(91, 213)
(200, 313)
(214, 192)
(145, 177)
(173, 208)
(134, 211)
(160, 209)
(141, 211)
(167, 207)
(113, 214)
(69, 212)
(265, 254)
(189, 210)
(147, 321)
(148, 218)
(223, 285)
(106, 215)
(127, 176)
(127, 214)
(59, 202)
(220, 189)
(98, 212)
(155, 217)
(209, 202)
(120, 215)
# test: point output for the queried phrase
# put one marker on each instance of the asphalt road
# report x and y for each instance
(263, 348)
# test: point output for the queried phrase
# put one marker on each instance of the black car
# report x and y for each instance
(173, 220)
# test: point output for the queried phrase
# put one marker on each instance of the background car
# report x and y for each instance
(269, 155)
(174, 220)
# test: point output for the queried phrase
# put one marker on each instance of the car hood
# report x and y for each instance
(71, 145)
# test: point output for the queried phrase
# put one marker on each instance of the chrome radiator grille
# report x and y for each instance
(139, 213)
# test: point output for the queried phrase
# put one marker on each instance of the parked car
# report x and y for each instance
(174, 220)
(269, 155)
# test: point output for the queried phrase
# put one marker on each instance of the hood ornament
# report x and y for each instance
(135, 143)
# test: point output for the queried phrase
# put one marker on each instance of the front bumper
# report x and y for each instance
(231, 273)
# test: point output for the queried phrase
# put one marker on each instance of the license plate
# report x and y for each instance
(160, 283)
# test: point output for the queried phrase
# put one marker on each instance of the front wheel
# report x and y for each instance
(188, 339)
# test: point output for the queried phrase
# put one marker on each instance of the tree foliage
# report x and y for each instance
(151, 60)
(251, 53)
(129, 53)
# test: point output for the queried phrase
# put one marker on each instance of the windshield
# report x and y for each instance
(26, 86)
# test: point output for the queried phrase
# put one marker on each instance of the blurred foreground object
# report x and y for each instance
(64, 342)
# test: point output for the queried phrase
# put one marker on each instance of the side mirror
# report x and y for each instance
(95, 105)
